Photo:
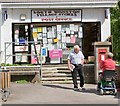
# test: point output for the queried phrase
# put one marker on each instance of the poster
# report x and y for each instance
(37, 47)
(76, 28)
(21, 40)
(67, 39)
(21, 57)
(44, 35)
(55, 40)
(44, 40)
(50, 46)
(50, 41)
(39, 36)
(26, 28)
(55, 60)
(50, 34)
(72, 27)
(35, 35)
(63, 45)
(80, 35)
(44, 29)
(16, 31)
(59, 45)
(72, 39)
(55, 53)
(44, 51)
(59, 28)
(54, 31)
(21, 48)
(34, 59)
(59, 35)
(39, 29)
(63, 39)
(80, 32)
(34, 29)
(67, 31)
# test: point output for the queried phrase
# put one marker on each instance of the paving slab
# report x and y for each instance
(57, 94)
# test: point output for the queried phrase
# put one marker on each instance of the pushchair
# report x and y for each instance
(107, 83)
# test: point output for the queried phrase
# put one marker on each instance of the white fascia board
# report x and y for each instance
(60, 5)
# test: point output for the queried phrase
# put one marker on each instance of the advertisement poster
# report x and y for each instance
(44, 51)
(55, 53)
(21, 57)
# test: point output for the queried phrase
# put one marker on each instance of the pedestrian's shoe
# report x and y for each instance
(75, 89)
(82, 88)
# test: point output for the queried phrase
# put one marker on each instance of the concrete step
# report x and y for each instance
(23, 72)
(54, 65)
(58, 82)
(56, 75)
(57, 78)
(55, 71)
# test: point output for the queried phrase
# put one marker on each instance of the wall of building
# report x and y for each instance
(89, 15)
(0, 31)
(95, 15)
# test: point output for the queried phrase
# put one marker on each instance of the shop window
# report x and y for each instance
(20, 46)
(61, 36)
(57, 36)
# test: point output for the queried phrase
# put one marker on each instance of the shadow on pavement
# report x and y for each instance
(57, 86)
(118, 96)
(87, 90)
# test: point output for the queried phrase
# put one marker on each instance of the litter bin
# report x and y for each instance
(5, 83)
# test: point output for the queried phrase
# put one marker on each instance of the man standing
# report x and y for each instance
(75, 64)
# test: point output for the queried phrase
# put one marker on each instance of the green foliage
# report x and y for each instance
(115, 29)
(21, 81)
(3, 64)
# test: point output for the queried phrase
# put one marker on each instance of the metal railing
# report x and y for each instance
(4, 72)
(7, 44)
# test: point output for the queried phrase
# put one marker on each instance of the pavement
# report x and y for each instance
(57, 94)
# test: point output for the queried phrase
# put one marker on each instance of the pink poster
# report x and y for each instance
(72, 39)
(55, 53)
(33, 58)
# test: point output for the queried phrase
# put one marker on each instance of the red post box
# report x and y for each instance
(101, 54)
(100, 49)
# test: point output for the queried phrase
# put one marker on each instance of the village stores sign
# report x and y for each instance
(56, 15)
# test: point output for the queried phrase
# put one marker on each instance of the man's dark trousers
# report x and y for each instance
(78, 69)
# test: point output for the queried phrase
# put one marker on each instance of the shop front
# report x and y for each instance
(57, 30)
(53, 30)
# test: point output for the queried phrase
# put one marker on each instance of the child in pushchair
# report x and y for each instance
(107, 77)
(107, 82)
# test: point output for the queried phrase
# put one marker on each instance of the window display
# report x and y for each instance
(51, 35)
(57, 36)
(21, 49)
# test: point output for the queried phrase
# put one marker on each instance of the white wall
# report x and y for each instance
(6, 36)
(16, 15)
(106, 28)
(98, 15)
(89, 15)
(0, 33)
(6, 29)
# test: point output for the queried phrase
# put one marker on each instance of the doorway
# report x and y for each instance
(91, 34)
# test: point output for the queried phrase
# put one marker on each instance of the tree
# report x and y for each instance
(115, 29)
